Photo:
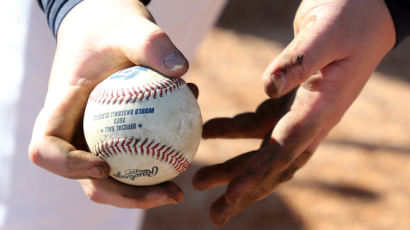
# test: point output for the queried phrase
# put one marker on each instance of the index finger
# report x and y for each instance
(62, 158)
(249, 125)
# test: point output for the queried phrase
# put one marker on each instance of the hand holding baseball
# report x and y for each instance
(335, 50)
(96, 39)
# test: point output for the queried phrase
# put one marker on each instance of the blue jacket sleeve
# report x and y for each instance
(400, 12)
(56, 10)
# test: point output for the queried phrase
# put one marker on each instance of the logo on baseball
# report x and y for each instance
(147, 127)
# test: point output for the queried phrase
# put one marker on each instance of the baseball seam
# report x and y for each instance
(143, 147)
(119, 95)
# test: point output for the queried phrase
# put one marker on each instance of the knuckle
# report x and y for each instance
(34, 154)
(287, 175)
(68, 173)
(313, 83)
(303, 158)
(70, 163)
(153, 38)
(286, 157)
(72, 167)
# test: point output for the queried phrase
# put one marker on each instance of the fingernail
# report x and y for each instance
(97, 172)
(171, 201)
(175, 60)
(166, 200)
(276, 86)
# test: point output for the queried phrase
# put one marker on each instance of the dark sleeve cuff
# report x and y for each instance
(56, 10)
(400, 12)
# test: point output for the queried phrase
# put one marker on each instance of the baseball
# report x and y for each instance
(146, 126)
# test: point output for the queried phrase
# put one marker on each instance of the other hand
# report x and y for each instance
(337, 46)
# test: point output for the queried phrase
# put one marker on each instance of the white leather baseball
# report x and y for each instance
(145, 126)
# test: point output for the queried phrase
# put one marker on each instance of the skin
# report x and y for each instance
(335, 49)
(91, 45)
(311, 84)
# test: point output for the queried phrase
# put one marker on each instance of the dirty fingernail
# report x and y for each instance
(164, 200)
(175, 60)
(171, 201)
(275, 86)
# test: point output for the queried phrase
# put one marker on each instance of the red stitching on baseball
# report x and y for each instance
(161, 88)
(163, 154)
(142, 146)
(149, 147)
(113, 147)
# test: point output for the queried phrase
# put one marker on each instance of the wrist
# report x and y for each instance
(57, 10)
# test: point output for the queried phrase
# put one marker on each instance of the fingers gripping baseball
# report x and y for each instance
(148, 45)
(122, 195)
(61, 158)
(56, 143)
(156, 51)
(117, 35)
(96, 39)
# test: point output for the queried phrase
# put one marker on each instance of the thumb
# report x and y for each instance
(312, 49)
(150, 46)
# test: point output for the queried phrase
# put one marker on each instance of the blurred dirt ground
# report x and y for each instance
(358, 178)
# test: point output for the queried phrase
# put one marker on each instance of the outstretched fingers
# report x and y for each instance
(220, 174)
(222, 209)
(247, 125)
(291, 144)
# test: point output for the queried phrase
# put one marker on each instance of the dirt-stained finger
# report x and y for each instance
(60, 157)
(247, 125)
(220, 212)
(220, 174)
(109, 191)
(269, 161)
